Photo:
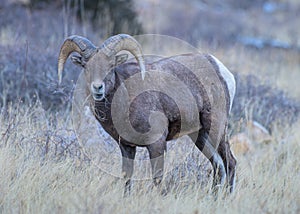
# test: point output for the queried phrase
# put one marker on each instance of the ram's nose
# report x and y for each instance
(97, 87)
(98, 91)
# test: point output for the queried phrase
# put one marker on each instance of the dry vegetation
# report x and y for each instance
(44, 169)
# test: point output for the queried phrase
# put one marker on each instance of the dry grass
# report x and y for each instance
(41, 175)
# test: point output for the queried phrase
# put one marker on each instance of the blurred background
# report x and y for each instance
(258, 40)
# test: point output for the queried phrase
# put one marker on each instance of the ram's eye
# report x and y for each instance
(78, 60)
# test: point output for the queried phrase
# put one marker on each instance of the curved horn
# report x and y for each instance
(72, 44)
(115, 44)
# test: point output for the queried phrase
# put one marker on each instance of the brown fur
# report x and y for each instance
(148, 101)
(203, 116)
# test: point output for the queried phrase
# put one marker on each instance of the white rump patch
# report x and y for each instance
(228, 77)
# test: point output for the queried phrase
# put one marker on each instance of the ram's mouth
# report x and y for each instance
(98, 96)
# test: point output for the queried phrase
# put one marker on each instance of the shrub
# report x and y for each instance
(112, 16)
(263, 103)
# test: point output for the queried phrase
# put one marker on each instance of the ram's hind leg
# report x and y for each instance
(128, 154)
(229, 163)
(202, 142)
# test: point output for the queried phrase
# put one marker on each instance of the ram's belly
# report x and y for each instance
(153, 110)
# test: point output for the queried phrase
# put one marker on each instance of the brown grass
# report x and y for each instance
(40, 175)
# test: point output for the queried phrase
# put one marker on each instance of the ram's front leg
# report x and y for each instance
(156, 153)
(128, 154)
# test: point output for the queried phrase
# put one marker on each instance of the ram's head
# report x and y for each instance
(98, 61)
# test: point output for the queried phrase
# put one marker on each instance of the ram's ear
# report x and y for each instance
(121, 58)
(78, 60)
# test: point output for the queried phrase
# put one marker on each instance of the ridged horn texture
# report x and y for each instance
(120, 42)
(72, 44)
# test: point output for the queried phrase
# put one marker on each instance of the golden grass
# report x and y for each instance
(33, 181)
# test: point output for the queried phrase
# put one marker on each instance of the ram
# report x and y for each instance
(207, 83)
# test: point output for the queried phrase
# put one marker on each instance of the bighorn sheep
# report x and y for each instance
(105, 72)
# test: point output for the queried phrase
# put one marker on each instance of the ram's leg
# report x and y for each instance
(128, 154)
(229, 162)
(156, 153)
(204, 145)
